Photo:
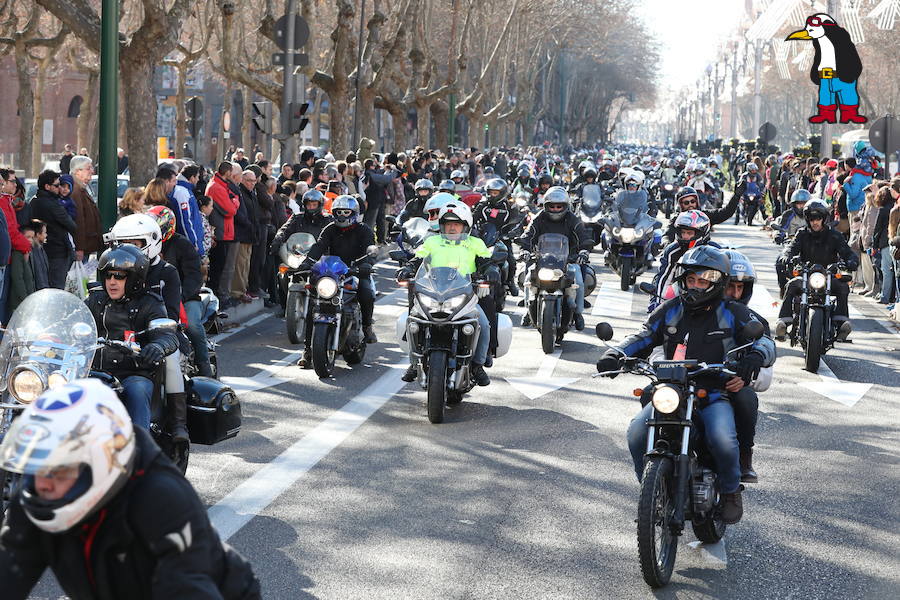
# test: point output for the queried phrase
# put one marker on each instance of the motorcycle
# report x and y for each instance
(592, 210)
(411, 235)
(337, 318)
(750, 204)
(441, 333)
(667, 198)
(679, 478)
(630, 236)
(547, 289)
(212, 318)
(293, 281)
(813, 326)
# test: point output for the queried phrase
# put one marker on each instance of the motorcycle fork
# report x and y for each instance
(683, 470)
(338, 314)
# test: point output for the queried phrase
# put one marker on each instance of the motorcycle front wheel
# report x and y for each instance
(657, 545)
(625, 269)
(548, 329)
(437, 385)
(322, 354)
(296, 320)
(815, 334)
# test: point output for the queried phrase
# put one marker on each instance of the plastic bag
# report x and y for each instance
(77, 280)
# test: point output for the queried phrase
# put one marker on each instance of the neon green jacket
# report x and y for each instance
(460, 255)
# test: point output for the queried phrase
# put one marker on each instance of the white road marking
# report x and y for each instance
(543, 381)
(764, 303)
(267, 377)
(252, 496)
(847, 393)
(611, 301)
(250, 323)
(711, 553)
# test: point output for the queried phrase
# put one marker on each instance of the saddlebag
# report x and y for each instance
(213, 411)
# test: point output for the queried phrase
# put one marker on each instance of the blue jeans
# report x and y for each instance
(834, 91)
(484, 338)
(4, 294)
(574, 272)
(138, 393)
(887, 274)
(195, 331)
(720, 436)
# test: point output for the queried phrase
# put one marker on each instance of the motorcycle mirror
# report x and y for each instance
(81, 330)
(162, 324)
(604, 331)
(753, 330)
(372, 250)
(391, 219)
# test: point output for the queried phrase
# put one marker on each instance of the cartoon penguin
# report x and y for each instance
(835, 69)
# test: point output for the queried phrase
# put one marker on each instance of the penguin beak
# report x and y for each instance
(799, 35)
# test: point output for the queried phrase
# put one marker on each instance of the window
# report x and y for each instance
(75, 107)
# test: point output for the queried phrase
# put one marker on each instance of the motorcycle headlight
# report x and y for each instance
(26, 384)
(427, 301)
(326, 288)
(293, 261)
(545, 274)
(817, 281)
(669, 187)
(455, 302)
(666, 399)
(56, 380)
(627, 234)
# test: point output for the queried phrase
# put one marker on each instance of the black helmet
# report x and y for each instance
(741, 270)
(424, 184)
(496, 184)
(447, 185)
(815, 209)
(523, 170)
(545, 178)
(710, 264)
(129, 259)
(589, 172)
(313, 196)
(685, 192)
(556, 195)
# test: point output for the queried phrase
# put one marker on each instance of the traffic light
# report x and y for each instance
(298, 120)
(262, 117)
(194, 111)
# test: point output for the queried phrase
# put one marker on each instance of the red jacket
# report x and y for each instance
(19, 242)
(225, 206)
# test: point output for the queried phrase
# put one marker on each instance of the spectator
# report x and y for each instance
(206, 208)
(65, 159)
(289, 196)
(22, 208)
(240, 159)
(183, 203)
(132, 202)
(59, 245)
(376, 181)
(40, 267)
(862, 230)
(884, 200)
(155, 193)
(245, 231)
(82, 152)
(19, 242)
(287, 173)
(304, 181)
(21, 278)
(87, 217)
(222, 257)
(122, 161)
(258, 280)
(307, 160)
(66, 185)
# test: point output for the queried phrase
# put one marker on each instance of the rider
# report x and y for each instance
(819, 245)
(557, 217)
(122, 307)
(545, 181)
(524, 181)
(692, 228)
(89, 508)
(587, 177)
(349, 240)
(754, 184)
(423, 189)
(700, 324)
(702, 183)
(688, 199)
(788, 224)
(311, 220)
(468, 254)
(669, 174)
(433, 209)
(495, 209)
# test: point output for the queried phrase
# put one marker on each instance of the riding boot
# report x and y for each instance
(748, 475)
(849, 114)
(827, 114)
(733, 506)
(178, 417)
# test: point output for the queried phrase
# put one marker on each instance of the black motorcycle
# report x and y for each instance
(592, 209)
(548, 288)
(292, 281)
(813, 326)
(679, 479)
(667, 198)
(749, 206)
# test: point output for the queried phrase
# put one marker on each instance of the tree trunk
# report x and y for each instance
(398, 116)
(366, 118)
(423, 125)
(140, 106)
(180, 113)
(338, 111)
(40, 83)
(441, 115)
(247, 130)
(86, 114)
(25, 102)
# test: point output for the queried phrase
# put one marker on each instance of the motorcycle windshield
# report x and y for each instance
(330, 266)
(591, 199)
(415, 230)
(631, 206)
(296, 246)
(552, 250)
(441, 282)
(53, 334)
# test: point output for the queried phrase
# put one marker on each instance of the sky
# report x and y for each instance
(689, 33)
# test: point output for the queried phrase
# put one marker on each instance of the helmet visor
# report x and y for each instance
(555, 207)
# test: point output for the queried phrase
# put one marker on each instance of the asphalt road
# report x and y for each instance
(341, 488)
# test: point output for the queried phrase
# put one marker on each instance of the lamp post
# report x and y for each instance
(109, 110)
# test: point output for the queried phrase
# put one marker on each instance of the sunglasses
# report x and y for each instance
(817, 22)
(343, 212)
(116, 276)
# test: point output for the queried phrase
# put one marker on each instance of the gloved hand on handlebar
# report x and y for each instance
(779, 238)
(610, 361)
(152, 354)
(749, 366)
(404, 273)
(584, 257)
(525, 256)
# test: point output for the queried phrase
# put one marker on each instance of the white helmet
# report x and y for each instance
(433, 208)
(80, 429)
(138, 227)
(456, 211)
(635, 175)
(457, 174)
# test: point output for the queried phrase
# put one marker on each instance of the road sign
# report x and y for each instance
(884, 131)
(767, 132)
(301, 32)
(262, 116)
(300, 60)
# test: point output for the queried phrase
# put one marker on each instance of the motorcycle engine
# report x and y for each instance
(704, 490)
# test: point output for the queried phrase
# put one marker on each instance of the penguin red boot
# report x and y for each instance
(849, 114)
(827, 114)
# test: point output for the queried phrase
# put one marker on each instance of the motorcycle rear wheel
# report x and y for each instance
(815, 330)
(322, 354)
(437, 385)
(709, 531)
(657, 546)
